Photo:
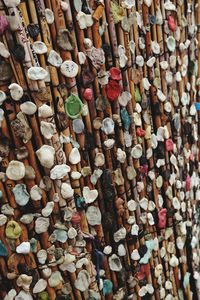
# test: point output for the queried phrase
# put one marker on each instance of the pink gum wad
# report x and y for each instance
(162, 218)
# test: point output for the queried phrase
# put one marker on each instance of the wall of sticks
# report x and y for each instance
(99, 149)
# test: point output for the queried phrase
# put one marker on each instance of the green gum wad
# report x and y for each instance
(138, 97)
(73, 106)
(13, 230)
(33, 243)
(117, 11)
(43, 296)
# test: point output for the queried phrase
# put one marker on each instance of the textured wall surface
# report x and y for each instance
(99, 149)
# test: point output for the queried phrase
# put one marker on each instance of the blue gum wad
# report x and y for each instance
(107, 287)
(126, 120)
(150, 246)
(3, 249)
